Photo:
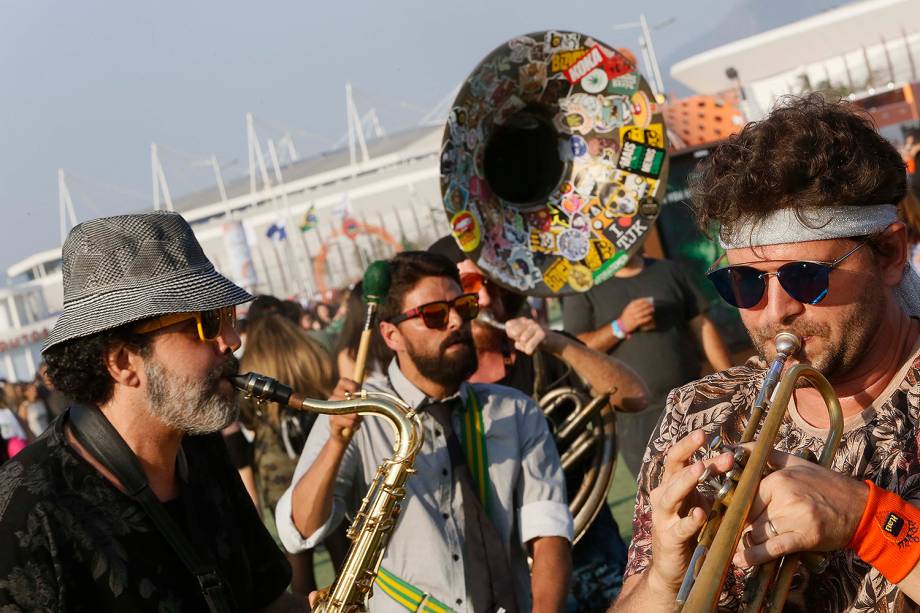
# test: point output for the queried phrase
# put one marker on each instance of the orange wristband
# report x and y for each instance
(888, 535)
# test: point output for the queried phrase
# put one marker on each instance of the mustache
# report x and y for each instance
(463, 335)
(799, 328)
(230, 367)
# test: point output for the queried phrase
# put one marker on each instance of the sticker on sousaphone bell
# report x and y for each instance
(554, 163)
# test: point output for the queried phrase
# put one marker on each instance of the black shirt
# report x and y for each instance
(522, 374)
(71, 541)
(667, 356)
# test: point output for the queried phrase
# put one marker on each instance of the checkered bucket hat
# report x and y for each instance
(122, 269)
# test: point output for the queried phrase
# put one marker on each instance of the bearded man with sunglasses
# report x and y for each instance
(129, 501)
(488, 488)
(805, 200)
(519, 352)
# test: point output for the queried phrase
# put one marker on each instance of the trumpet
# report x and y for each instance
(373, 525)
(709, 565)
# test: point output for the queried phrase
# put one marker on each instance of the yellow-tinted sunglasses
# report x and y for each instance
(210, 323)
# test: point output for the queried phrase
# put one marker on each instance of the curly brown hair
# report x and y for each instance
(808, 152)
(77, 367)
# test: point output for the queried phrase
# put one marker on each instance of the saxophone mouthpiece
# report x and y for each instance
(240, 382)
(262, 388)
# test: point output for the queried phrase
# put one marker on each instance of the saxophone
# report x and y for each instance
(373, 525)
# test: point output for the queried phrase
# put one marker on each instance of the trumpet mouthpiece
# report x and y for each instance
(787, 343)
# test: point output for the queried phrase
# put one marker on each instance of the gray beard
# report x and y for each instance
(190, 406)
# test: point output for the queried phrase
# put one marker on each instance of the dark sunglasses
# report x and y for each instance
(435, 315)
(472, 282)
(743, 286)
(209, 323)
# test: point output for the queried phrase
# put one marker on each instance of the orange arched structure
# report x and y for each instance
(319, 260)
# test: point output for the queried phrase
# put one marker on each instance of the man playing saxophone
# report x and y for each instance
(805, 202)
(507, 357)
(488, 487)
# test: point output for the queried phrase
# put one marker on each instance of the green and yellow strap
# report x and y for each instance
(409, 596)
(473, 439)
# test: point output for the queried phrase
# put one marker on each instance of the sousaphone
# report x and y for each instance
(553, 170)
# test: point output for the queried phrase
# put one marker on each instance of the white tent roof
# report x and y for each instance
(814, 39)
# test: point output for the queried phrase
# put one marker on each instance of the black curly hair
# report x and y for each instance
(77, 367)
(808, 153)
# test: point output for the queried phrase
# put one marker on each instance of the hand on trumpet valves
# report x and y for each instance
(801, 506)
(342, 427)
(679, 511)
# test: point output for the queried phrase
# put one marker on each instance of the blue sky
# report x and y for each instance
(88, 85)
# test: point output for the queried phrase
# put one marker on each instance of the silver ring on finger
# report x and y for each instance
(772, 529)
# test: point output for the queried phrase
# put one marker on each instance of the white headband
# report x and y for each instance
(784, 226)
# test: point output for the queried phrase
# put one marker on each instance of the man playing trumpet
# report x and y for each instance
(805, 200)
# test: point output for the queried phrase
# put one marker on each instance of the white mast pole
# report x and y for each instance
(65, 203)
(656, 71)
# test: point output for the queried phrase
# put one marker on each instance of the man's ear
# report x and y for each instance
(392, 336)
(892, 253)
(124, 364)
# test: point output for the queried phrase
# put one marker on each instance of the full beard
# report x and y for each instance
(191, 406)
(446, 370)
(838, 357)
(487, 338)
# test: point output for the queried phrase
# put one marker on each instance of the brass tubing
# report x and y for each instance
(704, 595)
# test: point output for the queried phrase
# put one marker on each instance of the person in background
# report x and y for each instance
(32, 410)
(279, 348)
(909, 212)
(650, 316)
(13, 431)
(346, 347)
(324, 314)
(13, 400)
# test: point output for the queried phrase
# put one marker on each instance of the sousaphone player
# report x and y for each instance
(553, 165)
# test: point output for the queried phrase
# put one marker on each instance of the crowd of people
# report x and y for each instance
(138, 478)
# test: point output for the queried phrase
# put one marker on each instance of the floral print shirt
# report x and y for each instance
(71, 541)
(879, 444)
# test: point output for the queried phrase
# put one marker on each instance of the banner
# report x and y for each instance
(242, 269)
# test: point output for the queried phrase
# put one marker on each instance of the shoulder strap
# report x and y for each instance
(97, 435)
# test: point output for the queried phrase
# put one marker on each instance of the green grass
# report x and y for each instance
(621, 498)
(322, 566)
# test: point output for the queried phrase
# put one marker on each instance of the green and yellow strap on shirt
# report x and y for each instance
(409, 596)
(473, 439)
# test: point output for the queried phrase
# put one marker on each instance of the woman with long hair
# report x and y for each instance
(281, 349)
(346, 347)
